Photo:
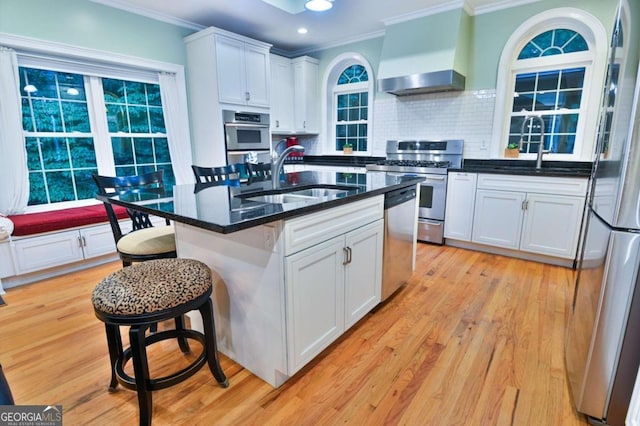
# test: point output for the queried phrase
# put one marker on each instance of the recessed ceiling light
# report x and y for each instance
(318, 5)
(302, 30)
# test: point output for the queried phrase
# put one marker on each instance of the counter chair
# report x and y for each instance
(144, 242)
(258, 171)
(146, 293)
(5, 391)
(224, 174)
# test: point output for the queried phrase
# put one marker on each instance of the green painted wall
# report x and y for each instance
(487, 34)
(86, 24)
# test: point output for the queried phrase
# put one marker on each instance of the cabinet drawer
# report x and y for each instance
(46, 251)
(305, 231)
(540, 184)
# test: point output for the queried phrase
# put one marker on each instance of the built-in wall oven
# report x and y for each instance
(430, 159)
(247, 138)
(246, 131)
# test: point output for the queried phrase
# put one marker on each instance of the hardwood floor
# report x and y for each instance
(473, 339)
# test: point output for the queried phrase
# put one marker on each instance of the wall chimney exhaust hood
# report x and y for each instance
(425, 55)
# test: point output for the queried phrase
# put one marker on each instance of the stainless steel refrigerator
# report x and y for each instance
(603, 343)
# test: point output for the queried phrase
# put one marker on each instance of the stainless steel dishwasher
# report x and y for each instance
(399, 238)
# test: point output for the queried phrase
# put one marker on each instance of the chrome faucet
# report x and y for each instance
(278, 160)
(541, 149)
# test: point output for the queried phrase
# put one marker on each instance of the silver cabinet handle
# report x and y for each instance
(79, 242)
(247, 96)
(347, 252)
(84, 241)
(277, 123)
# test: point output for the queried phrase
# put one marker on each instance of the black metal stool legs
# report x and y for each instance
(141, 372)
(182, 341)
(114, 342)
(206, 310)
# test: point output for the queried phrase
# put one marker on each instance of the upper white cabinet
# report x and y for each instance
(306, 98)
(536, 214)
(461, 196)
(281, 95)
(295, 101)
(243, 71)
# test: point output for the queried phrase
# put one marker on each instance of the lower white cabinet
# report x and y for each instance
(329, 287)
(59, 248)
(461, 196)
(535, 214)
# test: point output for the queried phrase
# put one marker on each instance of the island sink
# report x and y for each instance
(298, 194)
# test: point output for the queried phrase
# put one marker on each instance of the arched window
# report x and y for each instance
(551, 67)
(348, 86)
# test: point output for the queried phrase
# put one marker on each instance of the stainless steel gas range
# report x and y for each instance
(431, 159)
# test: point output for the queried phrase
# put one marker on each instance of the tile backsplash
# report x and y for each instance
(464, 115)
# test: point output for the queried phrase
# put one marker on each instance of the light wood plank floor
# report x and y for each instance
(473, 339)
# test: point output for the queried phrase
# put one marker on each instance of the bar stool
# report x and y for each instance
(146, 293)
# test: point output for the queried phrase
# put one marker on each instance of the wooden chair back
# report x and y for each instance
(109, 185)
(222, 174)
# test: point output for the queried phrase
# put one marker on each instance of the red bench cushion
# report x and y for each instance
(35, 223)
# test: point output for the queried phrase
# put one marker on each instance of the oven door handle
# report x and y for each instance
(438, 178)
(247, 126)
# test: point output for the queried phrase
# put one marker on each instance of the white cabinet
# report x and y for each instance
(281, 95)
(295, 100)
(306, 95)
(333, 275)
(243, 72)
(461, 196)
(535, 214)
(59, 248)
(6, 261)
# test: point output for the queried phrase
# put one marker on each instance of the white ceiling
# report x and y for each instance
(271, 21)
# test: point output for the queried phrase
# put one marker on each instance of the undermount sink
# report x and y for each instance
(298, 195)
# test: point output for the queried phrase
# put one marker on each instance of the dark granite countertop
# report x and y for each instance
(334, 160)
(527, 167)
(225, 209)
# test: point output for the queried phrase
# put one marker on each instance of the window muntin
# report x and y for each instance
(546, 84)
(60, 138)
(136, 128)
(556, 96)
(554, 42)
(351, 100)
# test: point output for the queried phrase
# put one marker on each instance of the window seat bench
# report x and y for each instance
(52, 243)
(38, 223)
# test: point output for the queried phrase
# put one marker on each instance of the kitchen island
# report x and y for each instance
(298, 262)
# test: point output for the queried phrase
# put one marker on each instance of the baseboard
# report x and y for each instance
(567, 263)
(18, 280)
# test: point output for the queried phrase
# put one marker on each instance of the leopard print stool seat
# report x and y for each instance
(142, 295)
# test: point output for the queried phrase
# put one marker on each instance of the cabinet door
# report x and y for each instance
(257, 75)
(97, 241)
(6, 261)
(281, 95)
(552, 224)
(230, 64)
(363, 272)
(46, 251)
(306, 99)
(314, 284)
(461, 198)
(497, 219)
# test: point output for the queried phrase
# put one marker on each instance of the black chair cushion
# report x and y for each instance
(151, 286)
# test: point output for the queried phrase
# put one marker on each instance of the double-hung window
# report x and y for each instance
(77, 124)
(351, 98)
(551, 67)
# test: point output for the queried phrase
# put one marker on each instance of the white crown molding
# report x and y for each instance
(128, 7)
(505, 4)
(457, 4)
(344, 41)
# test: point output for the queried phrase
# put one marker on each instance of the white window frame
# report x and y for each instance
(594, 62)
(330, 88)
(36, 53)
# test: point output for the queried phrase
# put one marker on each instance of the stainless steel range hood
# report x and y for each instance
(425, 55)
(428, 82)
